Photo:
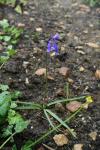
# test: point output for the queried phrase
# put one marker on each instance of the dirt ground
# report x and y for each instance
(78, 25)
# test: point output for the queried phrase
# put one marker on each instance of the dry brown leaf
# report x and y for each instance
(93, 135)
(78, 147)
(73, 106)
(97, 74)
(40, 72)
(93, 45)
(60, 139)
(64, 71)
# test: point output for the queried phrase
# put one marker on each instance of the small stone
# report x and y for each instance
(21, 25)
(26, 81)
(78, 147)
(40, 72)
(64, 71)
(39, 29)
(93, 135)
(60, 139)
(97, 74)
(93, 45)
(25, 64)
(49, 77)
(85, 31)
(79, 47)
(81, 69)
(73, 106)
(80, 52)
(59, 107)
(70, 80)
(26, 13)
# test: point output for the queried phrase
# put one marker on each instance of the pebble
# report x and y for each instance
(25, 64)
(60, 139)
(26, 81)
(78, 147)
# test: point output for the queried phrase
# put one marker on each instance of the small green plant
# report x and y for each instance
(14, 121)
(93, 2)
(16, 124)
(10, 36)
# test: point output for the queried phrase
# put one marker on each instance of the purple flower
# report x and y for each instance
(52, 45)
(56, 37)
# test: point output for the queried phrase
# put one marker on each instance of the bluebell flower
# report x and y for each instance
(52, 45)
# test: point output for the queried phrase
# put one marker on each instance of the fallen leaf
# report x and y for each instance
(73, 106)
(64, 71)
(77, 146)
(93, 135)
(97, 74)
(93, 45)
(40, 72)
(60, 139)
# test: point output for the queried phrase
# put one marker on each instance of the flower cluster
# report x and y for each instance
(52, 45)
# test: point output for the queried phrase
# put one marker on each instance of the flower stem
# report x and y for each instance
(46, 84)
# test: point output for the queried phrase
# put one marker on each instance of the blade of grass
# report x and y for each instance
(27, 107)
(65, 100)
(52, 130)
(61, 121)
(48, 118)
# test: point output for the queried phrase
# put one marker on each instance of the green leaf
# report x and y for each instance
(61, 121)
(3, 59)
(65, 100)
(18, 9)
(5, 100)
(4, 87)
(14, 147)
(16, 119)
(6, 38)
(16, 94)
(11, 52)
(25, 146)
(48, 118)
(7, 131)
(20, 126)
(4, 23)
